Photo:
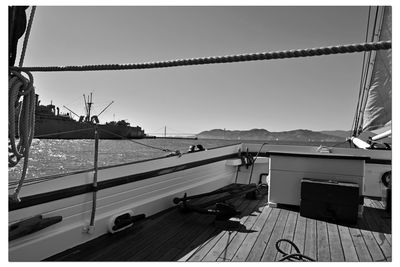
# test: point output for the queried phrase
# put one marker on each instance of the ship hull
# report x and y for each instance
(65, 128)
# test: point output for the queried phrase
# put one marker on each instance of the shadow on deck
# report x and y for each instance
(174, 235)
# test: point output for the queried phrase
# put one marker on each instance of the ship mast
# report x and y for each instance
(90, 103)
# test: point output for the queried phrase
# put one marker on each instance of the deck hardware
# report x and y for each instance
(223, 211)
(31, 225)
(233, 191)
(254, 160)
(123, 221)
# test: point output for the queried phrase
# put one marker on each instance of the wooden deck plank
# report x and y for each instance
(247, 244)
(311, 238)
(120, 245)
(384, 245)
(359, 244)
(300, 233)
(161, 241)
(245, 228)
(323, 252)
(202, 250)
(153, 243)
(288, 233)
(179, 243)
(236, 242)
(257, 250)
(349, 249)
(381, 238)
(174, 235)
(270, 251)
(335, 244)
(373, 247)
(196, 244)
(377, 203)
(192, 247)
(228, 235)
(378, 219)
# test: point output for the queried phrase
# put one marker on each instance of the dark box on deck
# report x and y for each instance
(329, 200)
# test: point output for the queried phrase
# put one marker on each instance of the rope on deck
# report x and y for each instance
(309, 52)
(294, 256)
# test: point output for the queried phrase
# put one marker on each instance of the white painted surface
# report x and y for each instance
(286, 173)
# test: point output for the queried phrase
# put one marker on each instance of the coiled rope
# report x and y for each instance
(291, 257)
(340, 49)
(21, 88)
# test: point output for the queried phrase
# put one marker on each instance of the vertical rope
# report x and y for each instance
(27, 33)
(94, 185)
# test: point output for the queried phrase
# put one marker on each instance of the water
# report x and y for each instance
(53, 156)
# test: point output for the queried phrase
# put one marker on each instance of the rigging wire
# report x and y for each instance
(136, 142)
(65, 132)
(356, 116)
(363, 98)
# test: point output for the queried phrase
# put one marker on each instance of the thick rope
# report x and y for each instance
(340, 49)
(27, 33)
(20, 87)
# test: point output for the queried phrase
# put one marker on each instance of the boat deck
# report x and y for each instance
(251, 236)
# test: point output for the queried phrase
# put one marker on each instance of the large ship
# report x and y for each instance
(50, 123)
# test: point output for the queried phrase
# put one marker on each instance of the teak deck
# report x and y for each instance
(251, 236)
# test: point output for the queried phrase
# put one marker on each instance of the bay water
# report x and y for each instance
(55, 156)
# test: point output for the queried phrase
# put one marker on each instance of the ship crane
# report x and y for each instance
(71, 111)
(105, 108)
(88, 107)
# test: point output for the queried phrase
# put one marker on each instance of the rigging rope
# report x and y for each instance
(28, 31)
(136, 142)
(340, 49)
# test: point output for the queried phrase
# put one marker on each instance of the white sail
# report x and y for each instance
(378, 106)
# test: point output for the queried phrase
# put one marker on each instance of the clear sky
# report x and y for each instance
(318, 93)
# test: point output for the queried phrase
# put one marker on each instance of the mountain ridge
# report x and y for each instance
(263, 134)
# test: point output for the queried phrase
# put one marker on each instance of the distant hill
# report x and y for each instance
(262, 134)
(338, 133)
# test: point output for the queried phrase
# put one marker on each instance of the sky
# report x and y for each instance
(318, 93)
